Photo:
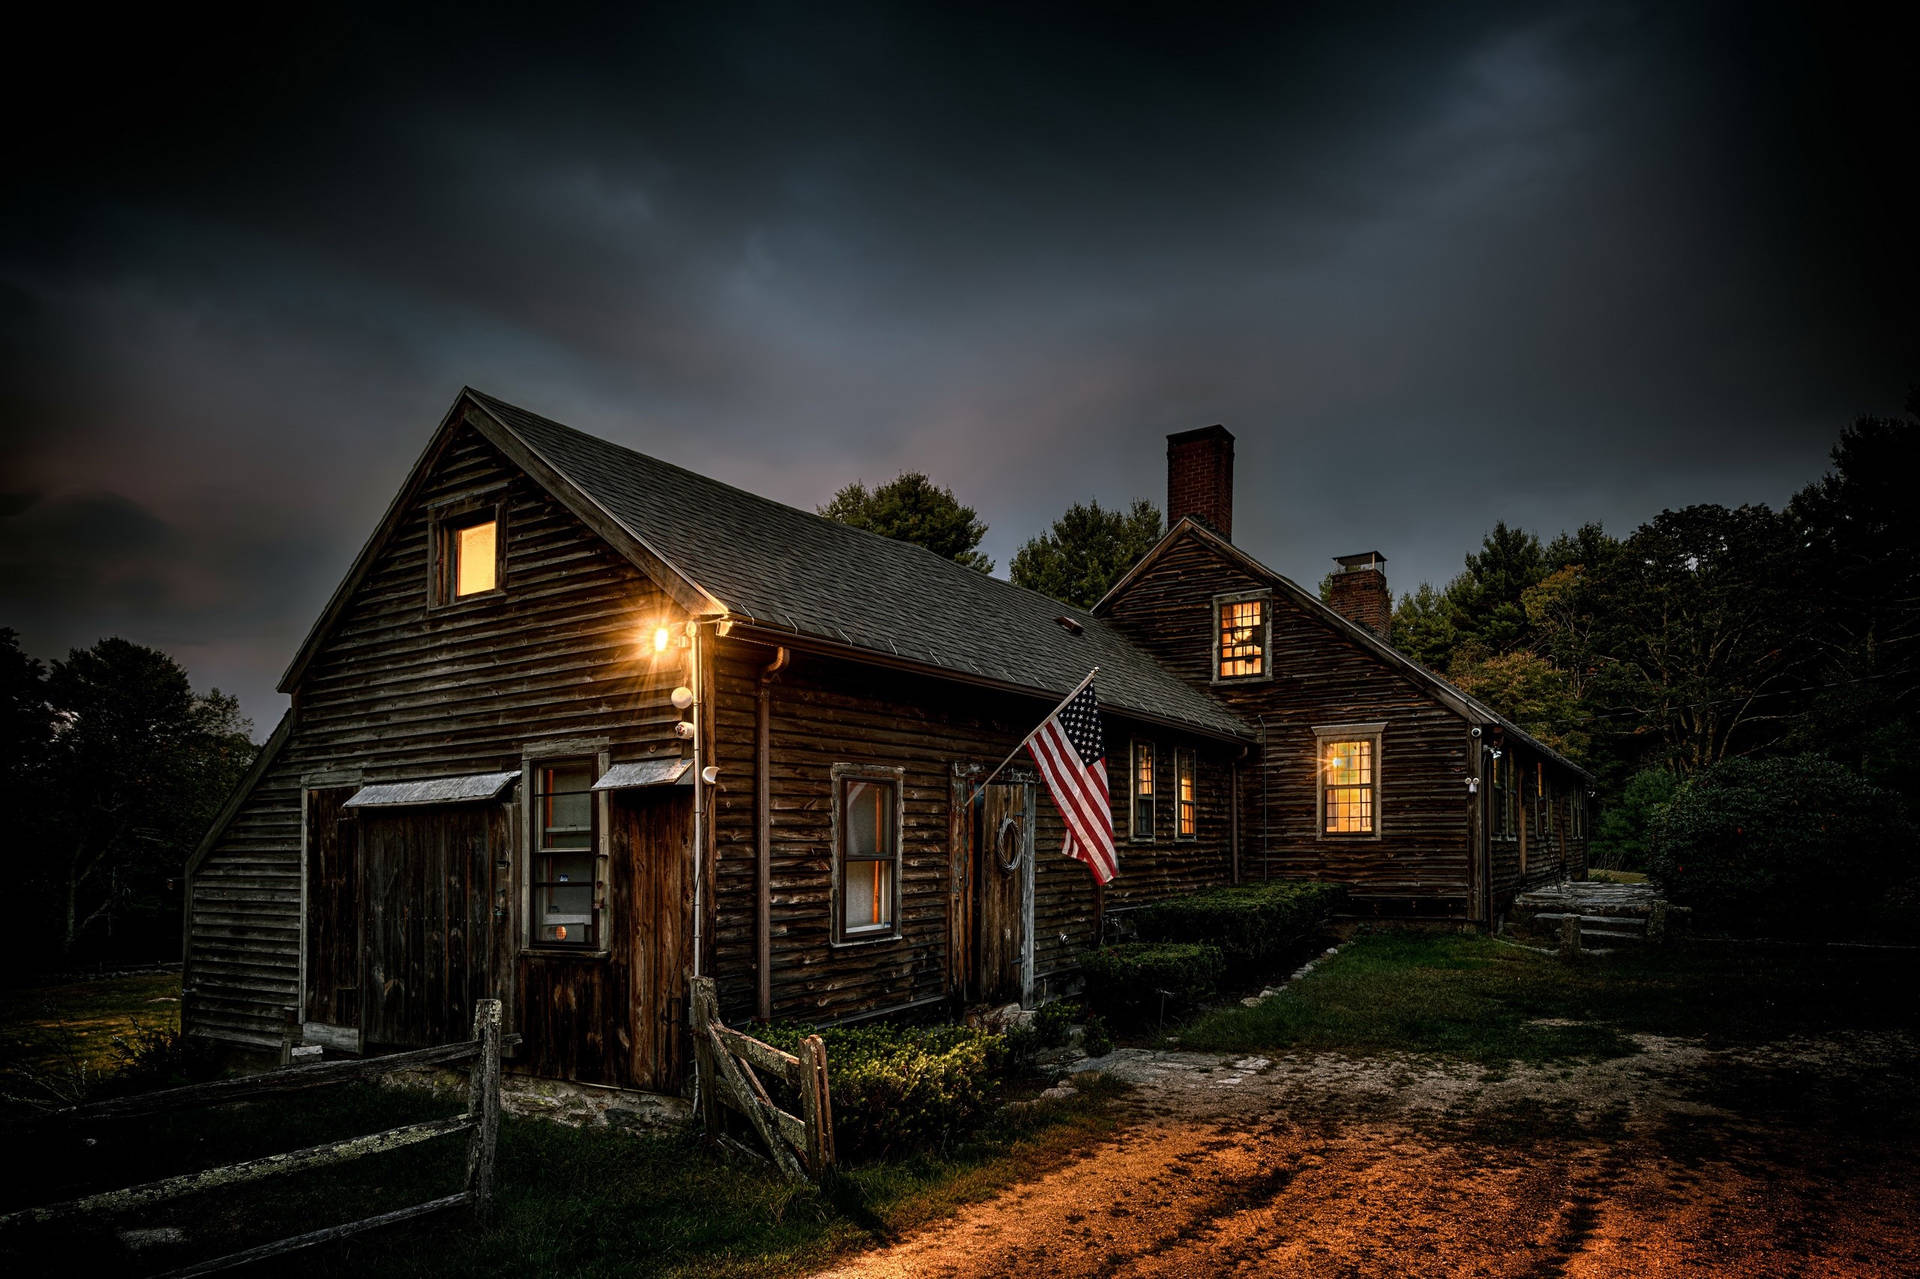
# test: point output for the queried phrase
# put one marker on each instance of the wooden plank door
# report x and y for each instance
(426, 894)
(330, 930)
(1002, 859)
(653, 856)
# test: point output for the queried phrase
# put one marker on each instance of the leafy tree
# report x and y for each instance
(1527, 689)
(26, 722)
(136, 767)
(912, 508)
(1863, 532)
(1622, 830)
(1087, 551)
(1701, 627)
(1423, 628)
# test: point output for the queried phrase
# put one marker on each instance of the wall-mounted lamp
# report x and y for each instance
(682, 697)
(661, 638)
(1495, 751)
(1473, 786)
(725, 628)
(683, 729)
(709, 774)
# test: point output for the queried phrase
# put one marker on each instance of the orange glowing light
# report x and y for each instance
(661, 639)
(560, 932)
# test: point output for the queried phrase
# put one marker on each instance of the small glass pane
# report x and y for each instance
(867, 890)
(563, 898)
(474, 559)
(566, 806)
(1242, 647)
(869, 819)
(1349, 787)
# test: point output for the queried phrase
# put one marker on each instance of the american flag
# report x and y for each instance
(1072, 757)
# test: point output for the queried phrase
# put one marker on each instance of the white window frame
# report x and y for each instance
(895, 776)
(1373, 731)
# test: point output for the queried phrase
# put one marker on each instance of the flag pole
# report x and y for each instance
(982, 783)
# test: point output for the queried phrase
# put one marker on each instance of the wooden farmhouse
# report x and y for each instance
(578, 723)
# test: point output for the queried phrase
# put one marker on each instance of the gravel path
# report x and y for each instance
(1795, 1158)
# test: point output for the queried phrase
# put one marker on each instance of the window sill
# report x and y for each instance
(563, 952)
(865, 939)
(465, 601)
(1243, 679)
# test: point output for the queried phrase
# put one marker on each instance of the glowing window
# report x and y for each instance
(1349, 783)
(1187, 808)
(867, 813)
(1141, 819)
(1242, 638)
(474, 559)
(564, 882)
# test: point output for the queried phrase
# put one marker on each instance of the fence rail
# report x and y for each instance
(800, 1145)
(481, 1121)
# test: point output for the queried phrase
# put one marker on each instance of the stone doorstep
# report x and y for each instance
(1594, 921)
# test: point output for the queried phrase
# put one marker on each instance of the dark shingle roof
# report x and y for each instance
(791, 570)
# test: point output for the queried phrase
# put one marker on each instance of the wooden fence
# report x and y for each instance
(481, 1120)
(801, 1146)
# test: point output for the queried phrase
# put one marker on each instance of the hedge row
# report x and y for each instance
(1189, 945)
(902, 1088)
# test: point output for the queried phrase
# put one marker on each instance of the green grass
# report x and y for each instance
(65, 1027)
(569, 1202)
(1478, 1000)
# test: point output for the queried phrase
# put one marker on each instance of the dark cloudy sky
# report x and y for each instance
(1435, 265)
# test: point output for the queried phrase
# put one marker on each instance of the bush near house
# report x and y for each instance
(1135, 983)
(899, 1089)
(1790, 845)
(1254, 925)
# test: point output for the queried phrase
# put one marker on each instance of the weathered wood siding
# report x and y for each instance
(826, 710)
(401, 691)
(1419, 864)
(1543, 850)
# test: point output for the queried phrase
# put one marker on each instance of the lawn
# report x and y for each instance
(1481, 1000)
(61, 1030)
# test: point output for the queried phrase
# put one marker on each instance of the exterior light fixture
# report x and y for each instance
(1473, 786)
(683, 729)
(682, 697)
(709, 774)
(660, 639)
(725, 627)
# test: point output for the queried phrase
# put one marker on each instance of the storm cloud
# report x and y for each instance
(1435, 266)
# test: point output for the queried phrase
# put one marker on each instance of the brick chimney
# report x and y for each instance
(1360, 591)
(1200, 478)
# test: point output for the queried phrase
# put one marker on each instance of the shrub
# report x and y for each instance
(1795, 844)
(1053, 1023)
(1620, 834)
(1095, 1039)
(1137, 982)
(901, 1088)
(1254, 925)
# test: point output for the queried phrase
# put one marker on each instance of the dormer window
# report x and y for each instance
(1242, 636)
(469, 546)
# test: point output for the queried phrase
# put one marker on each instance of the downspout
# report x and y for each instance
(763, 831)
(697, 685)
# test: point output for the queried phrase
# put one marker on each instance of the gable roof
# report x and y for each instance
(722, 551)
(1465, 705)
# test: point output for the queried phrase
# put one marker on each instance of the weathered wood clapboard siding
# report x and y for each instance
(1548, 857)
(1419, 864)
(398, 691)
(827, 710)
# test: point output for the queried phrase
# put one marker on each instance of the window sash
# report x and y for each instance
(867, 855)
(1240, 634)
(557, 918)
(1141, 814)
(1349, 776)
(1186, 804)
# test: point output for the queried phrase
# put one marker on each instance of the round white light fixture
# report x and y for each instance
(682, 697)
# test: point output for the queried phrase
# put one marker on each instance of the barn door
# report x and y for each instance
(1002, 863)
(426, 894)
(652, 857)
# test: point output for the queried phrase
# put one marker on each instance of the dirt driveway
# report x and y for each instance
(1795, 1158)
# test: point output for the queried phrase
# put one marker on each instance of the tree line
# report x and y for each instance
(1706, 634)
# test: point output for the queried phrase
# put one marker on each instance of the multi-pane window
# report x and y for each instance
(1542, 806)
(869, 853)
(1242, 637)
(1577, 814)
(1186, 805)
(566, 905)
(1140, 824)
(1505, 798)
(1348, 787)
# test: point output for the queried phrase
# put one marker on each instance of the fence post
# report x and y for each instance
(483, 1104)
(816, 1105)
(289, 1033)
(700, 1014)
